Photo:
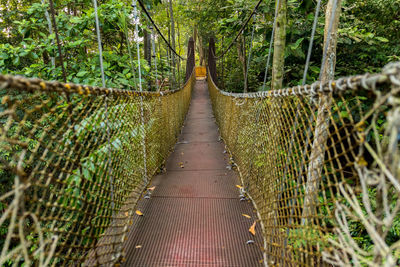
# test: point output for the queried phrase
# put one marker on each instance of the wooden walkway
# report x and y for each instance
(194, 216)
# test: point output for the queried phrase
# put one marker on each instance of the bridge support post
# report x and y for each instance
(315, 167)
(190, 63)
(212, 65)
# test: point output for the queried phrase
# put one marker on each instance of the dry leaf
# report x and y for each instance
(239, 186)
(247, 216)
(362, 162)
(252, 229)
(151, 188)
(138, 246)
(138, 212)
(127, 213)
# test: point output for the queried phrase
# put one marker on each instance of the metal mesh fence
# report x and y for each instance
(321, 164)
(74, 161)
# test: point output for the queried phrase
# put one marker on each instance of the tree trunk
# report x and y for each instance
(195, 39)
(147, 46)
(122, 40)
(179, 51)
(50, 27)
(201, 50)
(279, 47)
(242, 59)
(315, 167)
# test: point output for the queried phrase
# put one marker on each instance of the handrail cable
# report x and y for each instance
(158, 30)
(241, 30)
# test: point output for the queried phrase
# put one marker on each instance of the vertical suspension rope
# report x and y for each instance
(137, 39)
(317, 155)
(130, 54)
(106, 106)
(153, 40)
(250, 50)
(310, 47)
(103, 80)
(270, 45)
(317, 9)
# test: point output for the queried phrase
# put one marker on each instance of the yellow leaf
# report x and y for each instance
(239, 186)
(126, 213)
(138, 246)
(247, 216)
(362, 162)
(5, 99)
(152, 188)
(252, 229)
(138, 212)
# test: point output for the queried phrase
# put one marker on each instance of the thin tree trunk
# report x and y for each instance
(179, 51)
(315, 167)
(147, 46)
(60, 55)
(279, 46)
(179, 38)
(201, 50)
(277, 129)
(195, 39)
(242, 59)
(50, 27)
(122, 40)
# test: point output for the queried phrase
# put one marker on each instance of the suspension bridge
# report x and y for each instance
(198, 176)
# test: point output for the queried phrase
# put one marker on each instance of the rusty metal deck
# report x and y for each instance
(194, 216)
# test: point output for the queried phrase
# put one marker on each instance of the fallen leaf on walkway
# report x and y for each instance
(181, 165)
(247, 216)
(252, 229)
(239, 186)
(151, 188)
(138, 246)
(138, 212)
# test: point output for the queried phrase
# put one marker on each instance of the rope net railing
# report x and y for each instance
(321, 171)
(76, 160)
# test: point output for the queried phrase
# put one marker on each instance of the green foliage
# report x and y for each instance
(368, 38)
(26, 45)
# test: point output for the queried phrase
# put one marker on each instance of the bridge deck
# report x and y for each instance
(194, 216)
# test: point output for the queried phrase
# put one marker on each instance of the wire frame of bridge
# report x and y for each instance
(321, 163)
(79, 157)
